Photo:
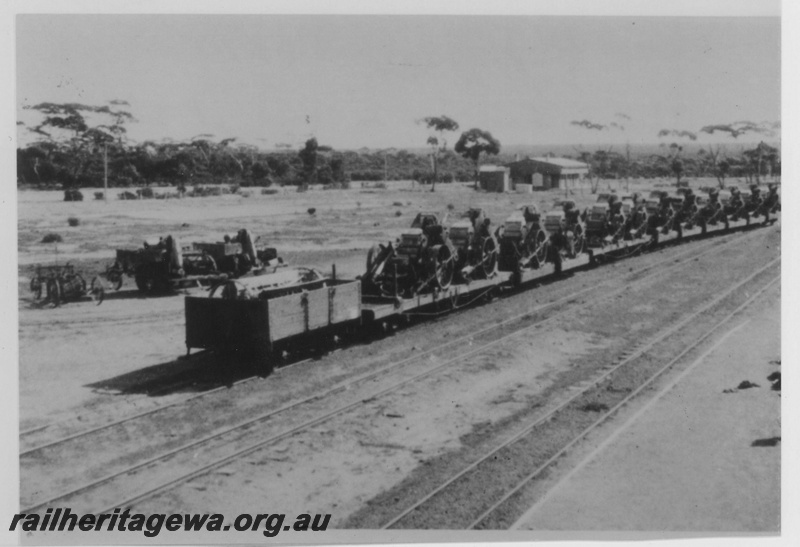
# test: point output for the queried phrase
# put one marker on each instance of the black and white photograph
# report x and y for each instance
(385, 272)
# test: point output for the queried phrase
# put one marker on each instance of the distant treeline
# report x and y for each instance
(73, 153)
(47, 164)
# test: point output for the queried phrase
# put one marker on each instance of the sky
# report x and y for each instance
(367, 80)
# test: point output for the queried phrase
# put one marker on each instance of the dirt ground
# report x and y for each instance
(704, 457)
(82, 365)
(345, 225)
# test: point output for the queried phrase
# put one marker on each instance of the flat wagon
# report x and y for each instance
(300, 316)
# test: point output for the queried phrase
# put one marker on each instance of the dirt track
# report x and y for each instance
(82, 365)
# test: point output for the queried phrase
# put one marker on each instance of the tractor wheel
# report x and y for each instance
(54, 292)
(489, 258)
(97, 291)
(444, 266)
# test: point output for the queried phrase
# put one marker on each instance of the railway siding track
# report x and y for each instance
(477, 497)
(31, 443)
(96, 500)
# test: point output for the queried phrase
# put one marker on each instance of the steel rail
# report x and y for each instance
(148, 412)
(670, 263)
(522, 483)
(595, 382)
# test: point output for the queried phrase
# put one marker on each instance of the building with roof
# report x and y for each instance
(494, 178)
(546, 173)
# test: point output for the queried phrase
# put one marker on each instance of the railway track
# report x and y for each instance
(457, 497)
(515, 326)
(34, 446)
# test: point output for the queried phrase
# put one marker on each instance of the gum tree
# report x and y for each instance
(475, 142)
(441, 125)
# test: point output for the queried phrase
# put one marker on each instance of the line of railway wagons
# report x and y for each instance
(432, 268)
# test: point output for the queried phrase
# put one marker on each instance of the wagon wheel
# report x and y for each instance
(36, 287)
(97, 291)
(489, 257)
(54, 292)
(444, 267)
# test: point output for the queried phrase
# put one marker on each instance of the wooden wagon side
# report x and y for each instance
(265, 325)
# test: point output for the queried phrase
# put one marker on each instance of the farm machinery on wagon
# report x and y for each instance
(605, 223)
(423, 259)
(270, 317)
(710, 210)
(475, 246)
(523, 241)
(566, 233)
(167, 265)
(751, 204)
(62, 283)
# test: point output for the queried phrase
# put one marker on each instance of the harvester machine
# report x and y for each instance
(523, 241)
(604, 224)
(566, 233)
(636, 220)
(421, 260)
(710, 211)
(662, 216)
(475, 247)
(770, 205)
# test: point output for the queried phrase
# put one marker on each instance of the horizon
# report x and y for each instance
(360, 81)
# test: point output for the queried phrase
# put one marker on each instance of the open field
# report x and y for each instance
(82, 365)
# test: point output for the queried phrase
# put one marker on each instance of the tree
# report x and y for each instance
(757, 157)
(600, 165)
(441, 125)
(308, 156)
(475, 142)
(79, 145)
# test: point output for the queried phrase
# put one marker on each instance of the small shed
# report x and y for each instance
(546, 173)
(494, 178)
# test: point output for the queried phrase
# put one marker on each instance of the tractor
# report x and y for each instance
(662, 216)
(752, 202)
(165, 264)
(771, 203)
(687, 207)
(710, 211)
(422, 259)
(635, 211)
(605, 222)
(566, 231)
(158, 265)
(475, 246)
(523, 241)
